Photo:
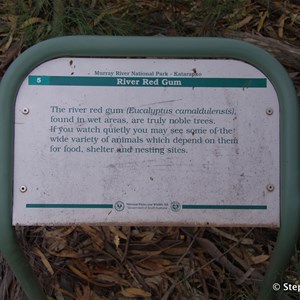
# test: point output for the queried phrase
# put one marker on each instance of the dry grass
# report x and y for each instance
(86, 262)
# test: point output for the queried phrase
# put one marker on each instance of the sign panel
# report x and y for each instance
(146, 141)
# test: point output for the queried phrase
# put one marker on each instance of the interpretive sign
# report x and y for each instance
(148, 130)
(135, 140)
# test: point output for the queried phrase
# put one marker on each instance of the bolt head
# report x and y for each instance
(23, 188)
(25, 111)
(269, 111)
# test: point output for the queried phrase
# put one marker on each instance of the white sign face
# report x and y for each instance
(146, 141)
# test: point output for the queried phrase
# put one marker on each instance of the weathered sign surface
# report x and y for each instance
(140, 141)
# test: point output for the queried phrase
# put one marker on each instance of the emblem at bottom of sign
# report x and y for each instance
(175, 206)
(119, 206)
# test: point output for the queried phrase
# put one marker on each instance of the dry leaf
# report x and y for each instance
(86, 278)
(147, 272)
(241, 23)
(56, 244)
(63, 291)
(259, 259)
(114, 278)
(146, 252)
(148, 236)
(241, 280)
(78, 273)
(294, 74)
(94, 235)
(117, 232)
(64, 253)
(135, 292)
(31, 21)
(281, 25)
(262, 20)
(62, 232)
(6, 46)
(294, 18)
(175, 251)
(117, 241)
(83, 267)
(244, 241)
(44, 260)
(154, 281)
(83, 292)
(161, 261)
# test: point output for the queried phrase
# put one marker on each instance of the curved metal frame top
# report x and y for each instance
(107, 46)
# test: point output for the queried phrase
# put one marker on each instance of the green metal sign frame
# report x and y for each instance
(171, 47)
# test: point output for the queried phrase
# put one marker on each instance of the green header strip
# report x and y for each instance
(188, 206)
(185, 206)
(40, 205)
(148, 81)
